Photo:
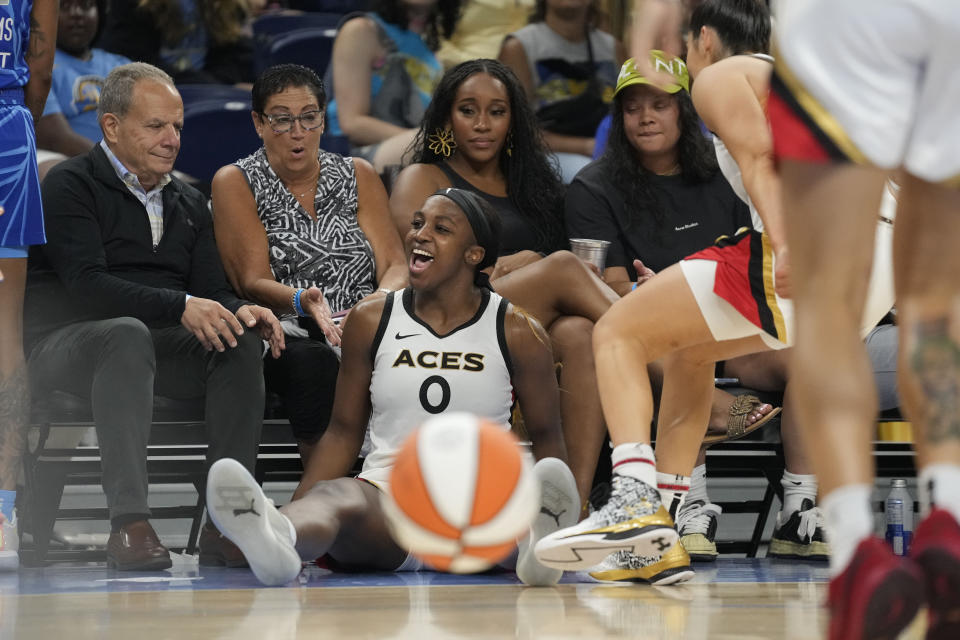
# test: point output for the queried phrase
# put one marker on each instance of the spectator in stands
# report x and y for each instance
(128, 298)
(304, 232)
(482, 28)
(568, 69)
(24, 82)
(657, 193)
(383, 71)
(69, 124)
(480, 133)
(192, 40)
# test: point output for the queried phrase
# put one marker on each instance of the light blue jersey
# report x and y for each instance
(76, 89)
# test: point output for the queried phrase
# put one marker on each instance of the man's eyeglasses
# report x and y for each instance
(283, 122)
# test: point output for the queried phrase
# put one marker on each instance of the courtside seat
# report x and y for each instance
(58, 456)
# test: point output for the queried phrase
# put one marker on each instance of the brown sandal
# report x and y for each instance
(737, 426)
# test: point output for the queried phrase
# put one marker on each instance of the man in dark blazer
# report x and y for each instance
(128, 298)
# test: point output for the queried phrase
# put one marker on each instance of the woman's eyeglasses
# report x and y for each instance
(283, 122)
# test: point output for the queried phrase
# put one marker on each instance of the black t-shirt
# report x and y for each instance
(695, 216)
(517, 232)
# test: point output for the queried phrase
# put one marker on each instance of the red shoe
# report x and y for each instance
(936, 548)
(876, 596)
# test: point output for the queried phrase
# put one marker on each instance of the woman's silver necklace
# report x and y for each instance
(313, 183)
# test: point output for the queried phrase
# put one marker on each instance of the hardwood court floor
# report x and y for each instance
(732, 599)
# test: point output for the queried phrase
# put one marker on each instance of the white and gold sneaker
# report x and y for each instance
(633, 520)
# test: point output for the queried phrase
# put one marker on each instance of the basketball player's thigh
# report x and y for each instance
(831, 212)
(662, 315)
(364, 540)
(926, 236)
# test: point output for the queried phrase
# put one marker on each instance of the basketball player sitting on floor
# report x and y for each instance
(388, 384)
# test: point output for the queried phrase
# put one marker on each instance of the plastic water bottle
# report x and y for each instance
(899, 512)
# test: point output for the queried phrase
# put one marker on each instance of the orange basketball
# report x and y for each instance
(461, 493)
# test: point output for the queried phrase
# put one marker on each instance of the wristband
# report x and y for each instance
(296, 302)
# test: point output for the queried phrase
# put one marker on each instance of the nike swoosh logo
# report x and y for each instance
(400, 337)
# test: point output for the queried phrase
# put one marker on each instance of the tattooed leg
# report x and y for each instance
(935, 361)
(926, 264)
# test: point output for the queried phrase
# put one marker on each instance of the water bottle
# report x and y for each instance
(899, 515)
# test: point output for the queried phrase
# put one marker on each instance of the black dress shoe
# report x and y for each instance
(217, 551)
(136, 547)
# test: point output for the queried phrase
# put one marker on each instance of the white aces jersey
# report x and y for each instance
(418, 374)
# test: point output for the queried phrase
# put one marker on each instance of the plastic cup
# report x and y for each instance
(592, 251)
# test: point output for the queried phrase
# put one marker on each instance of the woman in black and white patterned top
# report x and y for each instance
(306, 233)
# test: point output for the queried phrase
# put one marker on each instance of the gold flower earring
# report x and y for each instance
(442, 143)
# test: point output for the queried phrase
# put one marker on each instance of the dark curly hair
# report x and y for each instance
(698, 163)
(443, 18)
(533, 185)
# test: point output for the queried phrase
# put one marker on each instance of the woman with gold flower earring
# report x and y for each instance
(383, 71)
(442, 143)
(495, 150)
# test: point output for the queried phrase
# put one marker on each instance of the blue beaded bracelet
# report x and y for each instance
(296, 302)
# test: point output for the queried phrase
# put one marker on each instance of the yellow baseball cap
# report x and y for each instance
(674, 66)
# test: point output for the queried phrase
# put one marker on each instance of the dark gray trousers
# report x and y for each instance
(119, 364)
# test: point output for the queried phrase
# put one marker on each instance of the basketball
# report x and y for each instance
(461, 493)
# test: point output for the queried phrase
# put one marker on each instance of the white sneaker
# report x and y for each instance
(9, 545)
(559, 508)
(242, 513)
(633, 520)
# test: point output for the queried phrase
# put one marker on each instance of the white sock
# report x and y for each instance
(698, 484)
(635, 460)
(796, 487)
(849, 521)
(939, 486)
(673, 491)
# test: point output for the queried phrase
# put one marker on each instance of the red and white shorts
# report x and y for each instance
(732, 282)
(869, 81)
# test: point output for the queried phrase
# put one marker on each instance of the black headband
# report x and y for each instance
(483, 231)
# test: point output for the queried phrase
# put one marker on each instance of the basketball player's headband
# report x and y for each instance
(487, 237)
